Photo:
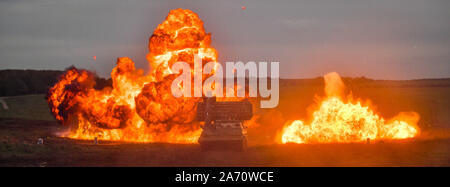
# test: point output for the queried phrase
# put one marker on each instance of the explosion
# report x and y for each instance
(349, 121)
(138, 107)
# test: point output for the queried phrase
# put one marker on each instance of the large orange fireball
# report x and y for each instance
(340, 119)
(137, 107)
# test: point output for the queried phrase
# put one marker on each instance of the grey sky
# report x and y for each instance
(382, 39)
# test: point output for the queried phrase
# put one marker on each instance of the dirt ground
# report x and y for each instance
(19, 137)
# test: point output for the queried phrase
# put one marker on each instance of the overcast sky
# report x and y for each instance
(381, 39)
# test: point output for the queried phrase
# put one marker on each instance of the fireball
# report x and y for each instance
(138, 107)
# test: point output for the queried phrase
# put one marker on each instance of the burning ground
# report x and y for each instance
(338, 118)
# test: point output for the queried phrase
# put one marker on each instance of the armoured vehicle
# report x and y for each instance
(223, 128)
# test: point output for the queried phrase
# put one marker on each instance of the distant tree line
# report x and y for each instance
(24, 82)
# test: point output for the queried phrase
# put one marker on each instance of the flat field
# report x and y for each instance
(28, 118)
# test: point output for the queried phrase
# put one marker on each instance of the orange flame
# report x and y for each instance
(339, 121)
(138, 107)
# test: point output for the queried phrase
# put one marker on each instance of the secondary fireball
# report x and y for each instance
(341, 119)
